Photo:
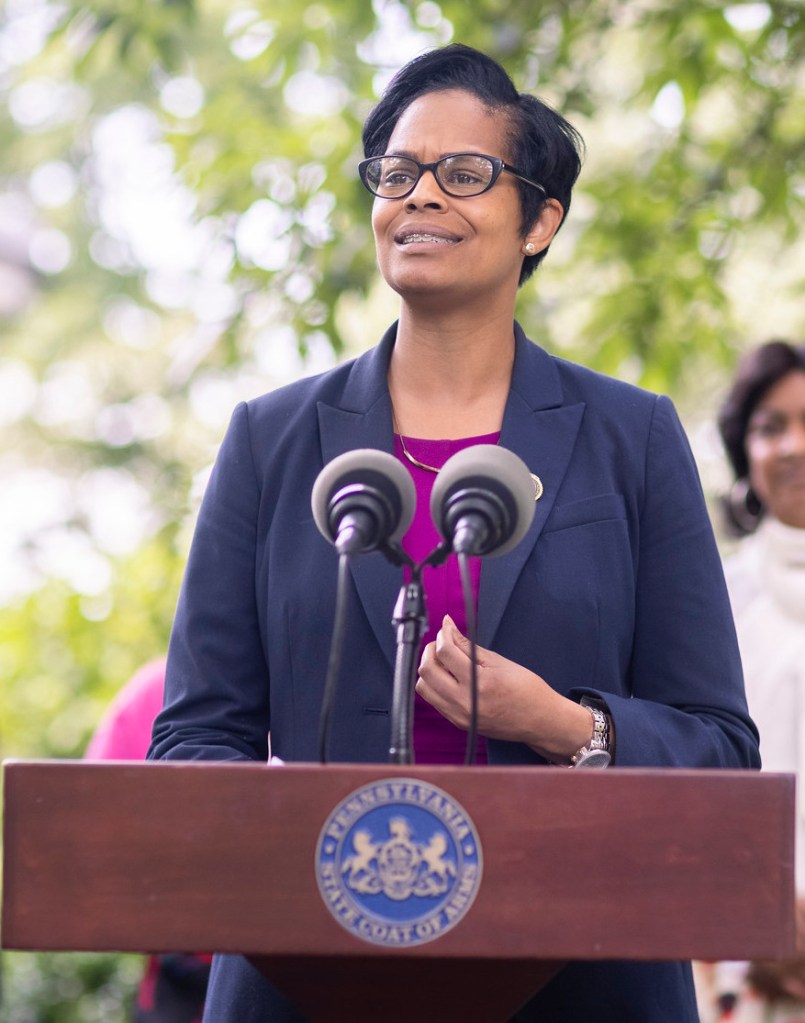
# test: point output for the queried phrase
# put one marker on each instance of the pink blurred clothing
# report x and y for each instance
(125, 729)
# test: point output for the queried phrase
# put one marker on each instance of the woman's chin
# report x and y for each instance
(425, 287)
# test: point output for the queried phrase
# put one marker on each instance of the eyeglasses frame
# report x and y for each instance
(498, 166)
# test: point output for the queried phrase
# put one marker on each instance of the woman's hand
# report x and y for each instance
(780, 980)
(513, 702)
(783, 980)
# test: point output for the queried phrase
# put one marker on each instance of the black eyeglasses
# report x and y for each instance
(462, 175)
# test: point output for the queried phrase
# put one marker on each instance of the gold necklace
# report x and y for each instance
(406, 452)
(410, 457)
(538, 487)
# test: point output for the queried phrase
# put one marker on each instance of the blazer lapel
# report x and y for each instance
(363, 420)
(539, 428)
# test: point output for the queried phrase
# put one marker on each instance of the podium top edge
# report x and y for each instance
(391, 770)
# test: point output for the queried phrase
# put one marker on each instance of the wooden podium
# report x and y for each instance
(618, 864)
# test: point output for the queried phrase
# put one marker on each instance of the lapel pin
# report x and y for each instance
(538, 487)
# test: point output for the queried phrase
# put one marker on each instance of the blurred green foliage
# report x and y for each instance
(63, 654)
(181, 226)
(68, 988)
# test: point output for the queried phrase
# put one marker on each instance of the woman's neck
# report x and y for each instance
(450, 379)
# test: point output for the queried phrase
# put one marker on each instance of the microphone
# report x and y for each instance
(363, 500)
(482, 502)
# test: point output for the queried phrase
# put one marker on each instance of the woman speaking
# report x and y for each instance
(608, 626)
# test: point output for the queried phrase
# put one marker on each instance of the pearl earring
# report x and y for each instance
(530, 248)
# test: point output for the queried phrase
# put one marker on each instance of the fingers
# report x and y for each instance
(453, 650)
(434, 673)
(445, 673)
(440, 687)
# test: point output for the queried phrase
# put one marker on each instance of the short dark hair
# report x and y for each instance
(543, 145)
(758, 371)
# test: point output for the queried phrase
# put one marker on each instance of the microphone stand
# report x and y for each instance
(410, 620)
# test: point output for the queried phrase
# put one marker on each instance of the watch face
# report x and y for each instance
(593, 758)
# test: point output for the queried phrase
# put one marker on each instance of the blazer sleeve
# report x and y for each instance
(216, 684)
(684, 702)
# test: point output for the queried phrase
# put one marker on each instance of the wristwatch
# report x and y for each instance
(597, 752)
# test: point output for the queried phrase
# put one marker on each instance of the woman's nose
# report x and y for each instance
(426, 193)
(793, 441)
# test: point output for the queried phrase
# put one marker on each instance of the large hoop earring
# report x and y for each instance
(745, 506)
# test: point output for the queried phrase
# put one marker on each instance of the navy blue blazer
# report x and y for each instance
(617, 590)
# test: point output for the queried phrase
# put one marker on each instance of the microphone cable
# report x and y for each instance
(335, 655)
(469, 610)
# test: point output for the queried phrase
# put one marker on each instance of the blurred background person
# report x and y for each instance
(124, 732)
(762, 425)
(174, 986)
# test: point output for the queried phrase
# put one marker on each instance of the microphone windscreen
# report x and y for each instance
(498, 469)
(373, 468)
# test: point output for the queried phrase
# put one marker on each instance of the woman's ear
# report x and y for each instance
(544, 228)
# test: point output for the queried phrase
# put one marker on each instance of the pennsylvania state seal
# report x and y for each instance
(398, 862)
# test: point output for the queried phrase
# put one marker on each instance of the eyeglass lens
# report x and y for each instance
(466, 174)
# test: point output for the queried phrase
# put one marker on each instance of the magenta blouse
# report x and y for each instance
(436, 740)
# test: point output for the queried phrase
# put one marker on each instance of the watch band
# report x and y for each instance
(595, 753)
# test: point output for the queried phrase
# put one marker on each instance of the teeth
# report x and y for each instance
(426, 238)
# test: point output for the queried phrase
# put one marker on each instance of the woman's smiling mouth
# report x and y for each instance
(411, 238)
(411, 235)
